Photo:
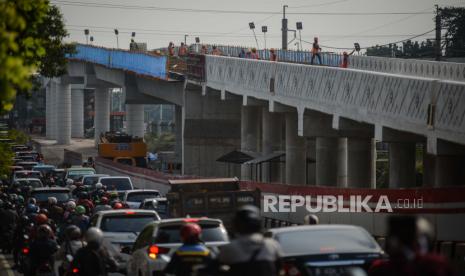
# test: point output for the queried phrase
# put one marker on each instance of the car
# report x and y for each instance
(75, 173)
(18, 148)
(325, 249)
(159, 204)
(16, 168)
(25, 174)
(27, 158)
(34, 154)
(42, 194)
(120, 184)
(58, 175)
(27, 165)
(44, 169)
(23, 182)
(120, 229)
(158, 241)
(90, 180)
(133, 198)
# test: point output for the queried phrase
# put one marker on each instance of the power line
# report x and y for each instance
(318, 5)
(216, 11)
(364, 48)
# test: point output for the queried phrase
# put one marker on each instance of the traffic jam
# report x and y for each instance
(76, 221)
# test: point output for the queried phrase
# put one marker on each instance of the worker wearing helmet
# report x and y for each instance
(193, 253)
(345, 59)
(80, 219)
(250, 253)
(93, 259)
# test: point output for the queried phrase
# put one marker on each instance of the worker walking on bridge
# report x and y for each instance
(316, 50)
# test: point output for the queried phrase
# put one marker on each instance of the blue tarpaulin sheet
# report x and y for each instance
(139, 63)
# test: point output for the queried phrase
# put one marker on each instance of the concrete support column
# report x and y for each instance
(63, 114)
(135, 119)
(48, 111)
(102, 112)
(361, 158)
(250, 132)
(271, 141)
(178, 119)
(443, 170)
(296, 153)
(53, 110)
(77, 113)
(401, 165)
(326, 161)
(342, 162)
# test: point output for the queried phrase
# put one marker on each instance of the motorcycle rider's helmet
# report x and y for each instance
(73, 232)
(190, 232)
(104, 200)
(80, 210)
(70, 205)
(41, 219)
(98, 186)
(31, 208)
(117, 205)
(52, 200)
(69, 182)
(94, 237)
(247, 220)
(44, 231)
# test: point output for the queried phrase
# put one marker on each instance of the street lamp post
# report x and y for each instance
(252, 27)
(284, 29)
(91, 40)
(299, 28)
(117, 41)
(86, 32)
(185, 39)
(264, 30)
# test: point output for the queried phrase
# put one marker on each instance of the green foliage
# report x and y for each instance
(453, 21)
(6, 159)
(31, 34)
(164, 142)
(408, 49)
(18, 136)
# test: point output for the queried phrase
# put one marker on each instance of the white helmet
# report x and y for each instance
(52, 200)
(98, 186)
(72, 188)
(70, 205)
(94, 234)
(69, 182)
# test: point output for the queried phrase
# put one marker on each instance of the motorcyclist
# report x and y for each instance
(85, 201)
(191, 254)
(9, 219)
(70, 208)
(69, 248)
(56, 212)
(42, 249)
(93, 259)
(80, 219)
(250, 253)
(102, 205)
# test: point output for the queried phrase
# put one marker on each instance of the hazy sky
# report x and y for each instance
(158, 27)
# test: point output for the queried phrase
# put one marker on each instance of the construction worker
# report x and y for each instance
(216, 51)
(182, 50)
(254, 54)
(273, 56)
(204, 50)
(171, 49)
(345, 59)
(191, 254)
(316, 50)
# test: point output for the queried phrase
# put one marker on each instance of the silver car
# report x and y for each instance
(133, 198)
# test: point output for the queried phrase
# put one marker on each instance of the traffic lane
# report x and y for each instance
(6, 263)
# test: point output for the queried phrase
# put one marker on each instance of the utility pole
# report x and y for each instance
(284, 29)
(185, 39)
(438, 35)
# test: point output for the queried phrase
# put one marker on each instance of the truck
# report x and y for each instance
(213, 198)
(123, 148)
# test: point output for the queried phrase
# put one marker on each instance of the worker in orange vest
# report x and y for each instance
(254, 54)
(316, 50)
(171, 49)
(273, 56)
(182, 50)
(216, 51)
(345, 59)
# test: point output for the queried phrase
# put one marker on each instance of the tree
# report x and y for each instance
(453, 21)
(31, 35)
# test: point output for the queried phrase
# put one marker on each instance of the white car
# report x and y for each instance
(158, 241)
(90, 180)
(133, 198)
(23, 182)
(120, 184)
(25, 174)
(120, 229)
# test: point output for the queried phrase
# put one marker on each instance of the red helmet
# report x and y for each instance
(190, 232)
(104, 200)
(117, 205)
(41, 219)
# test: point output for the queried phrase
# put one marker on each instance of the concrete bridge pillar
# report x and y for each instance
(178, 132)
(135, 119)
(361, 161)
(296, 153)
(53, 108)
(327, 153)
(77, 113)
(63, 114)
(402, 165)
(48, 110)
(272, 128)
(102, 112)
(250, 133)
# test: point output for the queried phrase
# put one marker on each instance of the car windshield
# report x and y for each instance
(126, 223)
(28, 175)
(325, 241)
(74, 175)
(42, 196)
(32, 183)
(90, 180)
(210, 233)
(140, 196)
(119, 184)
